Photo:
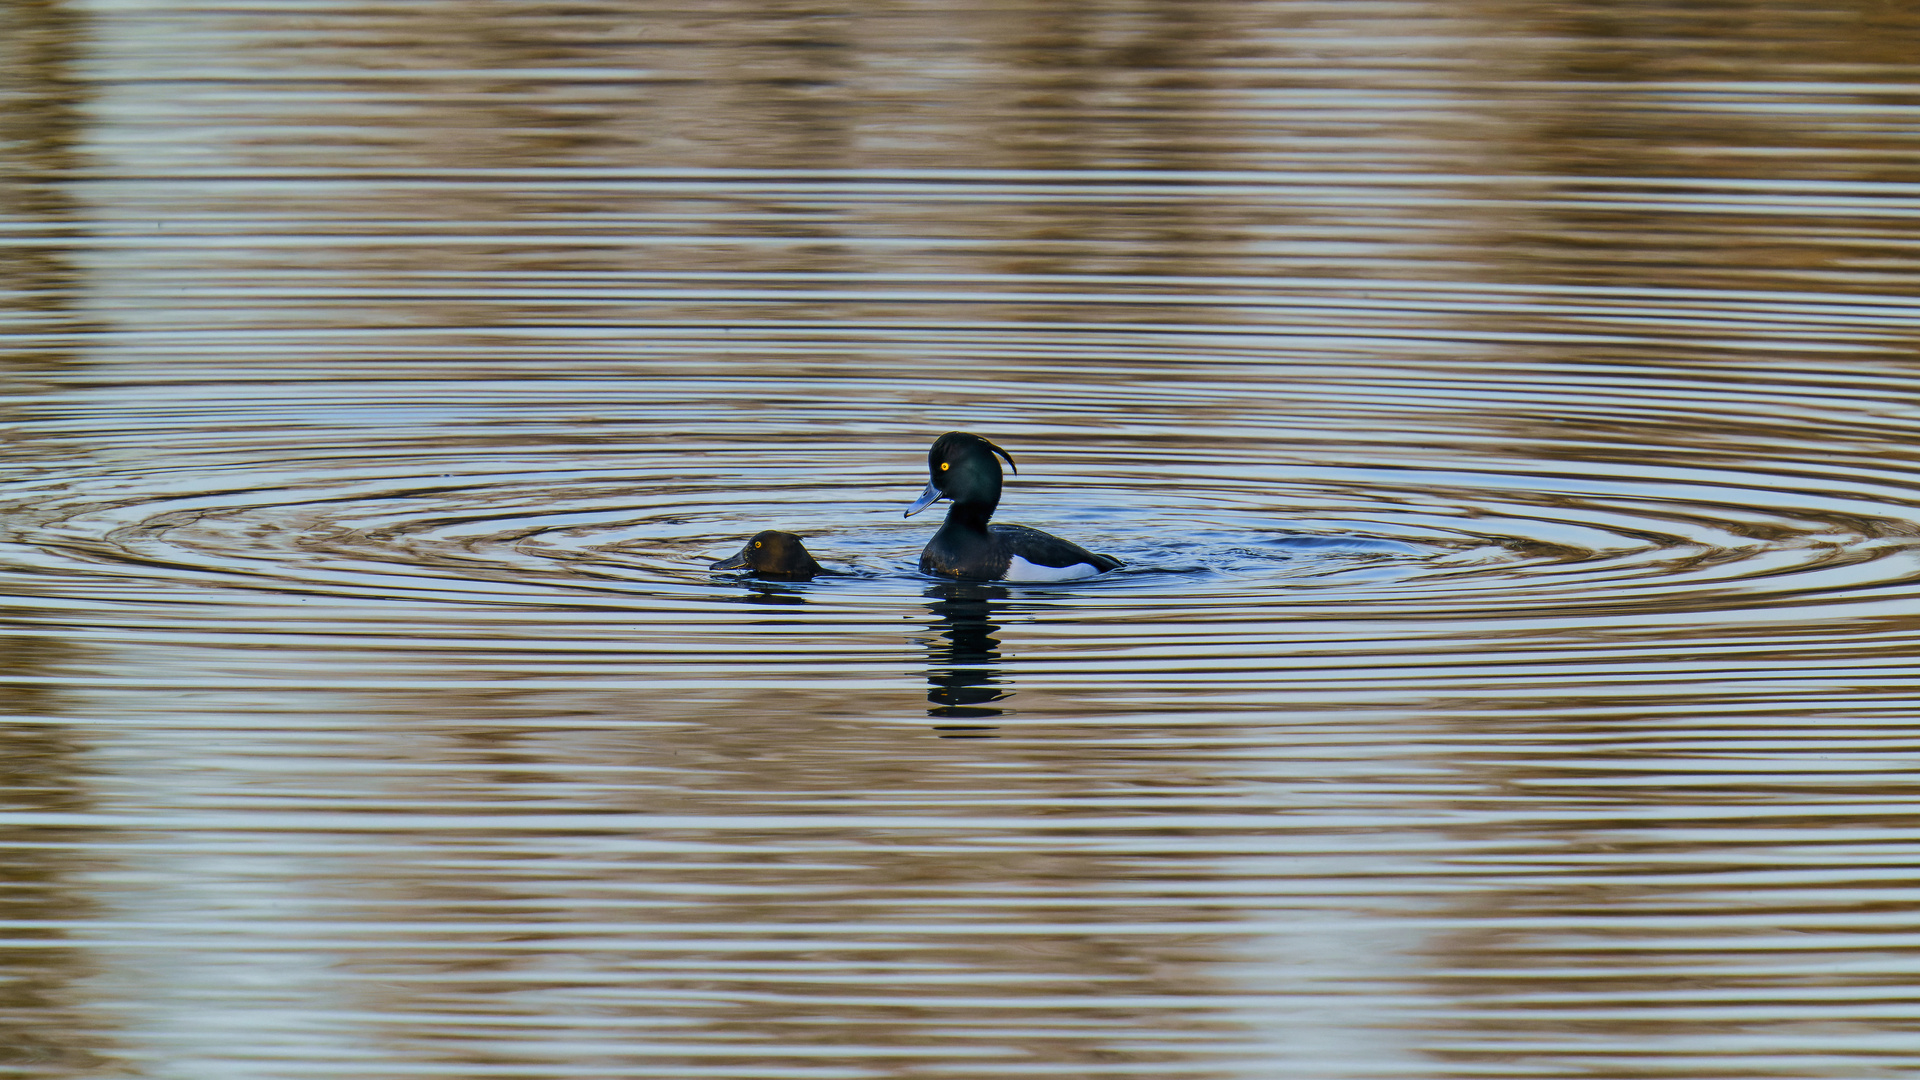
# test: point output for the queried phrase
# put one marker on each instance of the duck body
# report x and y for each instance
(1007, 552)
(962, 467)
(774, 554)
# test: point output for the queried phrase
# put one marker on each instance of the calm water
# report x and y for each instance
(1509, 412)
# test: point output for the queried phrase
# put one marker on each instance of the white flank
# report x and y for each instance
(1022, 570)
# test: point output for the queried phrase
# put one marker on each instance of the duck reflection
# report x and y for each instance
(963, 657)
(768, 593)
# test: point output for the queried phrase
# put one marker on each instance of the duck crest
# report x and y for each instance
(962, 466)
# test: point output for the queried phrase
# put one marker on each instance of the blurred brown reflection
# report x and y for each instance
(1091, 86)
(1666, 880)
(41, 119)
(46, 1025)
(439, 88)
(743, 914)
(1678, 140)
(1648, 41)
(1625, 95)
(735, 86)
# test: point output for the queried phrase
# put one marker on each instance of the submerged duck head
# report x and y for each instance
(774, 554)
(961, 467)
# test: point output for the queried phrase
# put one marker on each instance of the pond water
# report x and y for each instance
(1507, 412)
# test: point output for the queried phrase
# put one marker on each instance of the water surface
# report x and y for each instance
(1507, 413)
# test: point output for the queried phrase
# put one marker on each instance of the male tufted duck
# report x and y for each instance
(961, 467)
(774, 554)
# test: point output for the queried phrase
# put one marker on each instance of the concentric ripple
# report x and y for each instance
(1426, 526)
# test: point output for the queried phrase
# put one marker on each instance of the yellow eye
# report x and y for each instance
(756, 543)
(944, 466)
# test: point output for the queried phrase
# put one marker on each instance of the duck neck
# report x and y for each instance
(968, 517)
